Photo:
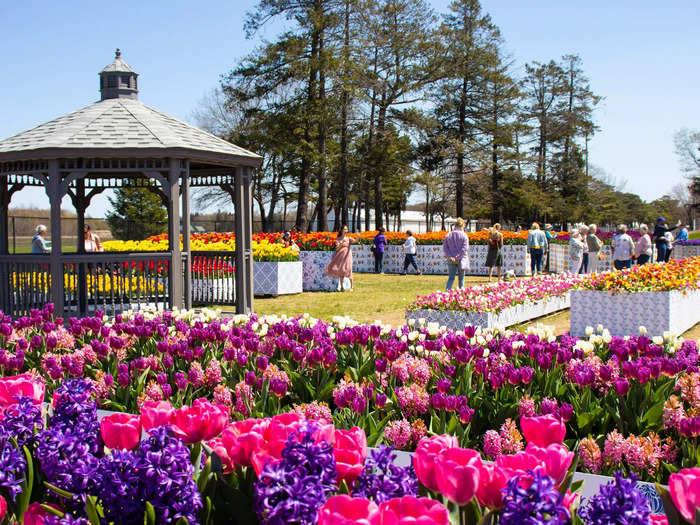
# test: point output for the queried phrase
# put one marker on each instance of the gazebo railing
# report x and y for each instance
(213, 278)
(25, 283)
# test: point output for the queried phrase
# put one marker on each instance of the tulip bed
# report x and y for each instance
(289, 406)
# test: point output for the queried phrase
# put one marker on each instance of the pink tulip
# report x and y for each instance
(543, 430)
(520, 464)
(155, 414)
(556, 458)
(269, 452)
(345, 510)
(200, 422)
(410, 510)
(36, 515)
(3, 508)
(283, 425)
(569, 499)
(219, 449)
(684, 487)
(25, 385)
(457, 474)
(424, 458)
(658, 519)
(350, 451)
(121, 431)
(242, 438)
(491, 480)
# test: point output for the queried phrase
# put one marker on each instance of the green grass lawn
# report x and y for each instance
(694, 235)
(24, 244)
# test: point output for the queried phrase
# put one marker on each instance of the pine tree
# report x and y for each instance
(137, 213)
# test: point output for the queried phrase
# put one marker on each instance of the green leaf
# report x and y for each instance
(652, 417)
(59, 491)
(52, 510)
(27, 485)
(203, 478)
(672, 514)
(149, 516)
(92, 511)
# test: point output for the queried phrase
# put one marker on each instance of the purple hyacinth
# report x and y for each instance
(12, 467)
(120, 487)
(21, 421)
(75, 413)
(292, 490)
(618, 501)
(382, 480)
(67, 519)
(538, 504)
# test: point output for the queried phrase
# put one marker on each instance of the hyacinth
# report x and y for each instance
(618, 501)
(511, 438)
(244, 397)
(314, 411)
(75, 412)
(413, 399)
(538, 504)
(67, 519)
(21, 421)
(293, 489)
(222, 395)
(526, 406)
(382, 480)
(689, 387)
(493, 446)
(398, 433)
(674, 413)
(590, 455)
(12, 467)
(167, 477)
(119, 487)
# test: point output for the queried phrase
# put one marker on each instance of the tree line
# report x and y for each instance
(359, 103)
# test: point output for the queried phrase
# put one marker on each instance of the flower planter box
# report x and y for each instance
(313, 279)
(559, 259)
(211, 290)
(622, 313)
(681, 251)
(277, 278)
(457, 320)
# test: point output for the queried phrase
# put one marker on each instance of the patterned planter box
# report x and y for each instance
(431, 260)
(559, 259)
(314, 279)
(623, 313)
(457, 320)
(684, 251)
(277, 278)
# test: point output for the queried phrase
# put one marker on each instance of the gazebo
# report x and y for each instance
(121, 142)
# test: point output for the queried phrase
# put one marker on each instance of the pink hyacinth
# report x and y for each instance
(413, 399)
(526, 406)
(590, 455)
(493, 447)
(398, 433)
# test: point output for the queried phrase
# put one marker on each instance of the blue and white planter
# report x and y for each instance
(277, 278)
(622, 313)
(457, 320)
(314, 280)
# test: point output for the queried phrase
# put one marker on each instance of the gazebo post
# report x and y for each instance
(186, 236)
(80, 207)
(53, 190)
(5, 197)
(243, 288)
(175, 269)
(248, 226)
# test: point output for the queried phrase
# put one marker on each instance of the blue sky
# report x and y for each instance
(642, 56)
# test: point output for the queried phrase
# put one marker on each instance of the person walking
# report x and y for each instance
(537, 245)
(341, 263)
(409, 250)
(583, 232)
(595, 245)
(576, 248)
(660, 230)
(642, 249)
(550, 237)
(494, 255)
(378, 250)
(38, 241)
(623, 248)
(455, 247)
(92, 241)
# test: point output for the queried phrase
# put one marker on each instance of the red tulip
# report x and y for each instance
(543, 430)
(491, 480)
(3, 507)
(155, 414)
(457, 474)
(410, 510)
(242, 438)
(200, 422)
(121, 431)
(350, 451)
(556, 458)
(424, 458)
(345, 510)
(22, 385)
(684, 487)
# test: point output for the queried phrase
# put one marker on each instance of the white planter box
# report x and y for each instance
(211, 290)
(314, 279)
(623, 313)
(277, 278)
(685, 251)
(457, 320)
(559, 259)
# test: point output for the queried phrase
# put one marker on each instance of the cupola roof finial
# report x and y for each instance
(118, 54)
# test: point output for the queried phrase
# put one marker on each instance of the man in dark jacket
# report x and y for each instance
(659, 231)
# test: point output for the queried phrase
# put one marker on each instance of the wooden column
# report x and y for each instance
(5, 197)
(80, 207)
(186, 236)
(248, 230)
(55, 193)
(175, 269)
(243, 288)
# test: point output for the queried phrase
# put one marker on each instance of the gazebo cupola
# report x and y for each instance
(118, 80)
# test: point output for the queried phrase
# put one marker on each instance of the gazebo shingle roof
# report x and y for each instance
(118, 123)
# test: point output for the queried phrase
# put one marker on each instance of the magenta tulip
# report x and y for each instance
(3, 508)
(121, 431)
(242, 438)
(25, 385)
(457, 474)
(350, 451)
(543, 430)
(492, 479)
(200, 422)
(424, 458)
(684, 487)
(410, 510)
(155, 414)
(556, 458)
(346, 510)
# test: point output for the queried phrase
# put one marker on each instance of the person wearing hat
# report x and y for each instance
(659, 237)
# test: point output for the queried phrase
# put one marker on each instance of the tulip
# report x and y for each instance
(36, 515)
(556, 458)
(345, 510)
(121, 431)
(350, 451)
(658, 519)
(570, 499)
(283, 425)
(267, 453)
(3, 508)
(457, 474)
(543, 430)
(684, 487)
(155, 414)
(492, 479)
(424, 458)
(22, 385)
(217, 446)
(200, 422)
(242, 438)
(413, 511)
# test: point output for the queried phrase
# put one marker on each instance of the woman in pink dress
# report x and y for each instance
(341, 263)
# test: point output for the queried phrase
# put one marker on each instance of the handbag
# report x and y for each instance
(464, 263)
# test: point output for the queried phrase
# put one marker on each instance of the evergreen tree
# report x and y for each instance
(136, 213)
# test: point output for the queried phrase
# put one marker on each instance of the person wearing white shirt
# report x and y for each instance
(623, 248)
(409, 250)
(576, 247)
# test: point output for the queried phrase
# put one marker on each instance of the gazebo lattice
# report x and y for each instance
(114, 143)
